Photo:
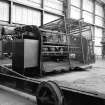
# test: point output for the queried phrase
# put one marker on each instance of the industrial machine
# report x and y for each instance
(6, 40)
(26, 50)
(58, 46)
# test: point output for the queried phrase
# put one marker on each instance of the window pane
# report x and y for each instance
(98, 32)
(98, 36)
(88, 17)
(36, 18)
(53, 6)
(88, 5)
(99, 10)
(49, 18)
(29, 20)
(75, 3)
(98, 21)
(23, 15)
(18, 14)
(4, 11)
(34, 3)
(75, 13)
(98, 50)
(98, 41)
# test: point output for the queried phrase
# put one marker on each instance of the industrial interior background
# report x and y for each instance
(39, 12)
(85, 23)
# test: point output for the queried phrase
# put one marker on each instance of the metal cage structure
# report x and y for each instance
(66, 42)
(60, 45)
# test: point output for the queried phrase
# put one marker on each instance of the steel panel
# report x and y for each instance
(30, 53)
(18, 14)
(29, 15)
(76, 2)
(53, 6)
(98, 32)
(88, 5)
(99, 21)
(88, 17)
(34, 3)
(25, 15)
(99, 10)
(49, 17)
(75, 13)
(4, 11)
(36, 18)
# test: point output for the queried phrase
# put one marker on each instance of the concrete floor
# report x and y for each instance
(98, 68)
(8, 98)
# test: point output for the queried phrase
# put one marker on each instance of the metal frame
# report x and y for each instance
(61, 26)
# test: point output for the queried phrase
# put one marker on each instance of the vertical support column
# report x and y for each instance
(81, 9)
(42, 12)
(67, 12)
(103, 37)
(41, 41)
(1, 53)
(94, 6)
(93, 36)
(11, 12)
(67, 8)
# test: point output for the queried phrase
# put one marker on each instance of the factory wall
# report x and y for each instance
(30, 12)
(91, 11)
(35, 12)
(4, 11)
(24, 15)
(38, 12)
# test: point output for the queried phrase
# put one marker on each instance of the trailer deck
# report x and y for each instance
(90, 81)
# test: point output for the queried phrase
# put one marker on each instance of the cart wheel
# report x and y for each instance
(48, 93)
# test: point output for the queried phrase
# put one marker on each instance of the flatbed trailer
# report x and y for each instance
(87, 88)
